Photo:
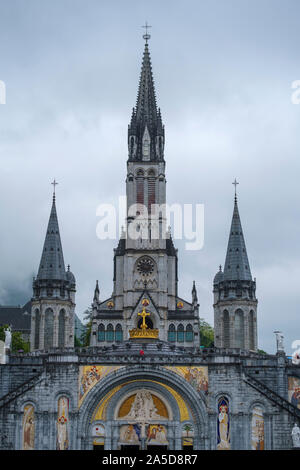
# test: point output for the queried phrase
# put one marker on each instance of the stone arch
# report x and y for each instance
(140, 375)
(239, 329)
(49, 329)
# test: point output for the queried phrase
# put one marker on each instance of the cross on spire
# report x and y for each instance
(146, 36)
(235, 183)
(54, 184)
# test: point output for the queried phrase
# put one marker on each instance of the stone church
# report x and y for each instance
(145, 382)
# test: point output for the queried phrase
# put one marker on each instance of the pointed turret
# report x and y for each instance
(53, 301)
(236, 263)
(96, 293)
(52, 266)
(146, 130)
(235, 303)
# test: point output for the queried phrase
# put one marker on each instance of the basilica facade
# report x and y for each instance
(145, 382)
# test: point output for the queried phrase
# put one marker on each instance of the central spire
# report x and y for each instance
(146, 131)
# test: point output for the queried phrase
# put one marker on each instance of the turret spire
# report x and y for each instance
(236, 264)
(52, 264)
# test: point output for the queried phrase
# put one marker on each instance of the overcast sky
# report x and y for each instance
(223, 72)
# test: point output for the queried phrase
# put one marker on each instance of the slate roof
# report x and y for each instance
(52, 266)
(16, 316)
(236, 263)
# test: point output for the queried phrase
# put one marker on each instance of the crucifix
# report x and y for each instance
(54, 184)
(143, 314)
(235, 183)
(146, 36)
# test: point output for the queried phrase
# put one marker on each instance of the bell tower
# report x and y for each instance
(53, 301)
(235, 303)
(145, 260)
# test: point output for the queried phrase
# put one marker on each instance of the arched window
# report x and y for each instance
(226, 330)
(140, 191)
(251, 331)
(180, 333)
(119, 333)
(239, 329)
(48, 331)
(61, 328)
(189, 334)
(101, 332)
(172, 333)
(37, 329)
(151, 192)
(110, 333)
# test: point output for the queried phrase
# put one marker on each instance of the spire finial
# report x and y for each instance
(235, 183)
(54, 184)
(146, 36)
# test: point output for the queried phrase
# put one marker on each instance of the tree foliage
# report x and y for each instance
(17, 341)
(85, 340)
(206, 334)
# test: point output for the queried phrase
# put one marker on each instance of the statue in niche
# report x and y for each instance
(296, 436)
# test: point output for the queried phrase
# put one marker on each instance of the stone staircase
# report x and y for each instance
(24, 387)
(271, 395)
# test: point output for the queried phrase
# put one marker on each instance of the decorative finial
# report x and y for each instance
(54, 184)
(220, 268)
(146, 36)
(235, 183)
(68, 268)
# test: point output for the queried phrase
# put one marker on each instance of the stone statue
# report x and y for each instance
(279, 341)
(143, 408)
(2, 352)
(7, 337)
(296, 436)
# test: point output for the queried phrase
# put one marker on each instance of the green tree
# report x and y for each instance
(206, 334)
(17, 342)
(85, 340)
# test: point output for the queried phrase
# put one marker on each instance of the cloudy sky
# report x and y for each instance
(223, 71)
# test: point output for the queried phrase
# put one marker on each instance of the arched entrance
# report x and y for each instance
(142, 408)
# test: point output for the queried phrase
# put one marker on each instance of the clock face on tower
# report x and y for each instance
(145, 266)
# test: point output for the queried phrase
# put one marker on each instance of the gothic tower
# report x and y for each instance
(53, 301)
(235, 303)
(145, 261)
